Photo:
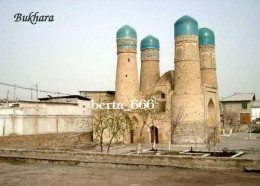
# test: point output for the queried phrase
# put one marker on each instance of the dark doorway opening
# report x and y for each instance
(154, 134)
(131, 136)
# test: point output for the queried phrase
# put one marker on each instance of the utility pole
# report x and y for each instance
(31, 95)
(37, 92)
(7, 97)
(14, 92)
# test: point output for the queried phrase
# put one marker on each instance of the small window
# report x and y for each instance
(162, 96)
(128, 59)
(244, 105)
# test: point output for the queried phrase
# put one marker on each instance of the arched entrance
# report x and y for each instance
(131, 136)
(154, 134)
(211, 120)
(133, 133)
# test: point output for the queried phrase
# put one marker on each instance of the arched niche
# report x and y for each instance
(211, 116)
(162, 100)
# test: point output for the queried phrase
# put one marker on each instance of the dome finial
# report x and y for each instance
(186, 25)
(126, 32)
(206, 37)
(150, 42)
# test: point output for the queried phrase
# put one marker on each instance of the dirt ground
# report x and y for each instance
(12, 173)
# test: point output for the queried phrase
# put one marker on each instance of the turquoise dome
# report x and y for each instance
(150, 42)
(206, 37)
(126, 32)
(186, 25)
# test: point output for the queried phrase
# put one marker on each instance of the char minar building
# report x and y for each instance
(190, 87)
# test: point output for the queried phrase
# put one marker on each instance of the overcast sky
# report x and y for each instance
(78, 50)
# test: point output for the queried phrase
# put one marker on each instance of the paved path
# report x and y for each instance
(40, 174)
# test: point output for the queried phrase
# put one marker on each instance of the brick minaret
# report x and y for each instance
(150, 72)
(187, 90)
(209, 75)
(207, 57)
(127, 87)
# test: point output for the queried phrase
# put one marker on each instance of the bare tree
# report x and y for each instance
(100, 124)
(147, 113)
(250, 129)
(212, 135)
(212, 138)
(176, 117)
(118, 124)
(157, 115)
(110, 123)
(143, 115)
(230, 117)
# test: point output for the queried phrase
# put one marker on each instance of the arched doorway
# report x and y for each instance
(131, 136)
(211, 120)
(154, 134)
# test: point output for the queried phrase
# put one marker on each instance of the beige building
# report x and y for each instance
(241, 104)
(191, 87)
(49, 115)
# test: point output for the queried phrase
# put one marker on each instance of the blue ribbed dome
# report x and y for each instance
(186, 25)
(126, 32)
(206, 37)
(150, 42)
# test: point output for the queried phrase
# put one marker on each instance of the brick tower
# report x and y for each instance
(207, 57)
(209, 76)
(150, 72)
(127, 87)
(187, 94)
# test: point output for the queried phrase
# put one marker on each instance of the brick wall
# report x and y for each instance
(65, 140)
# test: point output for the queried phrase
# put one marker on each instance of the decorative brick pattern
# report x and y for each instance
(207, 56)
(126, 43)
(150, 54)
(150, 71)
(186, 48)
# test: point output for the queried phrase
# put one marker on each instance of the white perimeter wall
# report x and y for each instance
(47, 118)
(255, 113)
